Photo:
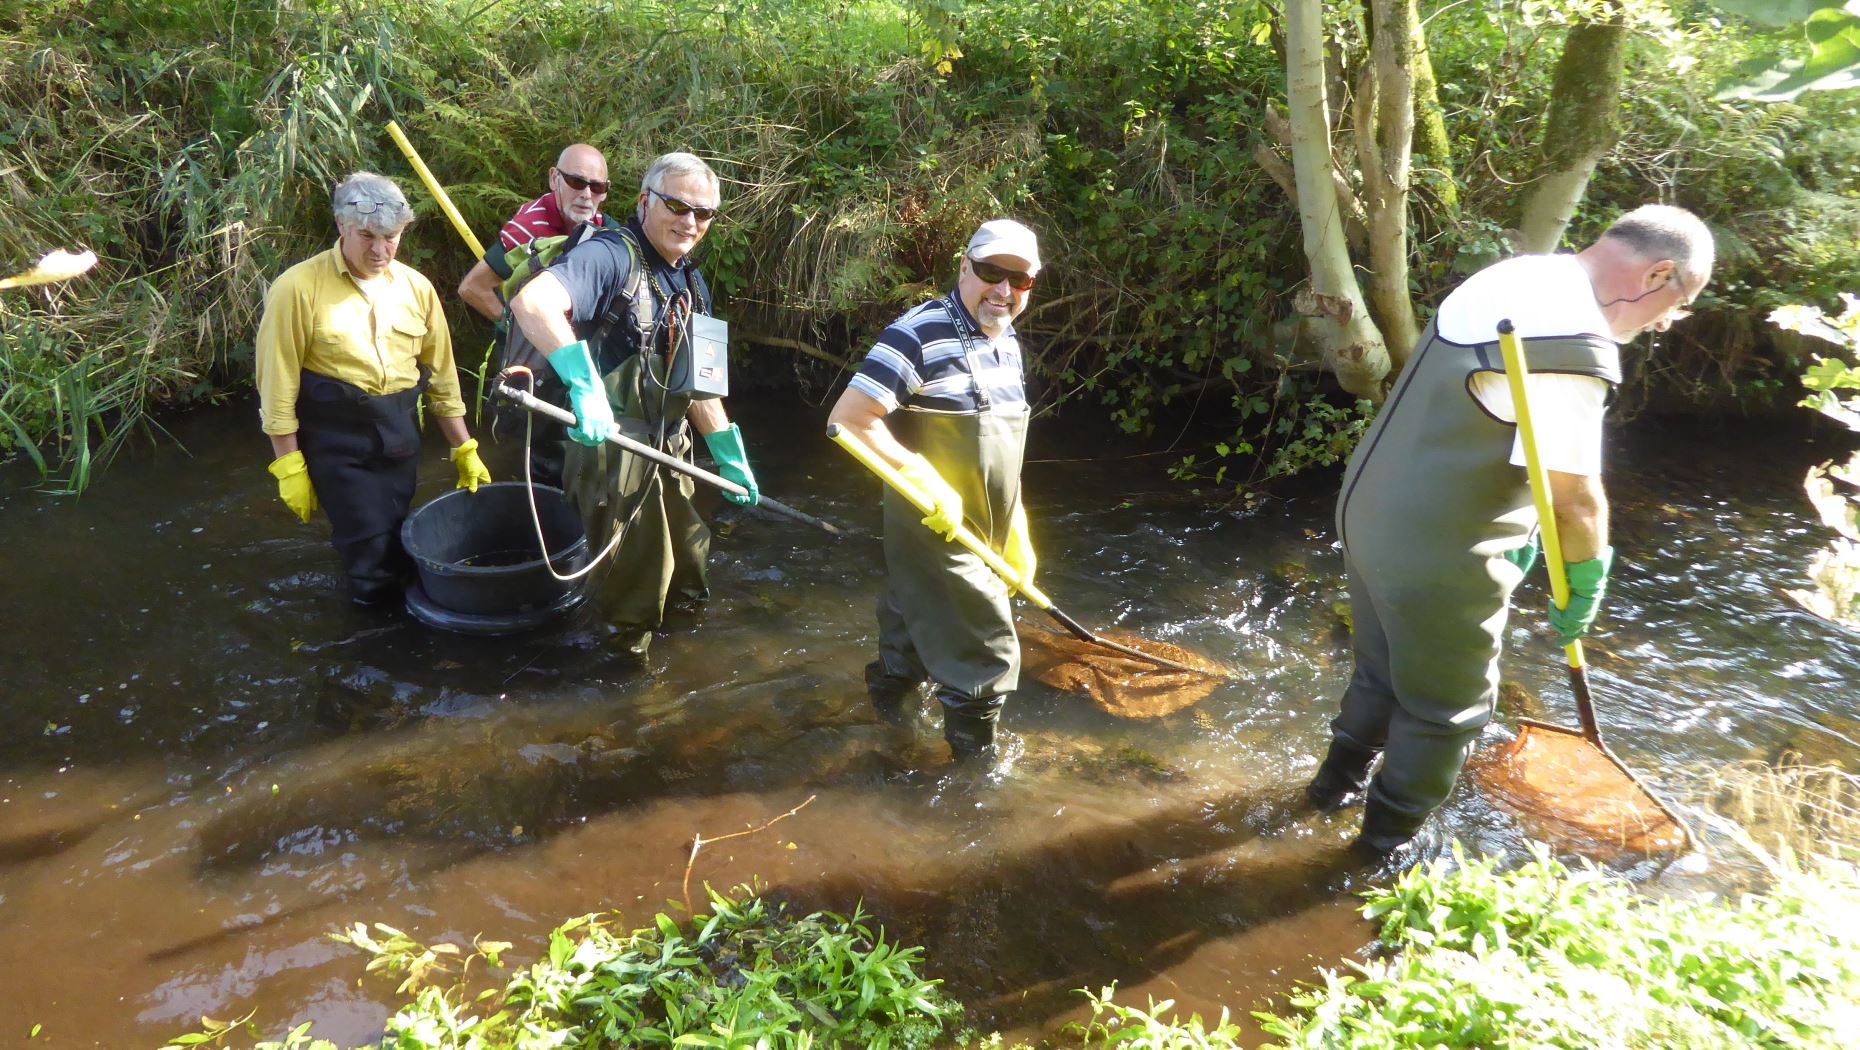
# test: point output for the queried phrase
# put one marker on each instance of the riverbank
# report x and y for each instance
(192, 144)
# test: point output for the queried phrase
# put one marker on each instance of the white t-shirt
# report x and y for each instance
(1545, 296)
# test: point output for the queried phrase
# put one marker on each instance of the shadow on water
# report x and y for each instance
(210, 760)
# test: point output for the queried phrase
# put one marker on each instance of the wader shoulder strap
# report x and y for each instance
(982, 402)
(634, 293)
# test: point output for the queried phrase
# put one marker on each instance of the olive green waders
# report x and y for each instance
(1430, 504)
(945, 615)
(665, 544)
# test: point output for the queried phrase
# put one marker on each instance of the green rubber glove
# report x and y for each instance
(1588, 583)
(726, 447)
(945, 515)
(1523, 557)
(1018, 552)
(294, 486)
(594, 417)
(472, 472)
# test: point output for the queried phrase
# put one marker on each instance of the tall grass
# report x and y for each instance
(183, 170)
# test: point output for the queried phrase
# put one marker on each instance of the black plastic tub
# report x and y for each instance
(480, 568)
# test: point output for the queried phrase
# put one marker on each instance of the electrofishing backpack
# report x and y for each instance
(526, 261)
(520, 265)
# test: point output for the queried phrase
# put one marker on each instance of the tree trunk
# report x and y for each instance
(1430, 123)
(1384, 131)
(1353, 347)
(1580, 128)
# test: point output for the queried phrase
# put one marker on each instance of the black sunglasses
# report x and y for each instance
(989, 273)
(682, 209)
(576, 182)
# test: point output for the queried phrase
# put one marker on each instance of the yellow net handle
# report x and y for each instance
(864, 454)
(1516, 369)
(433, 187)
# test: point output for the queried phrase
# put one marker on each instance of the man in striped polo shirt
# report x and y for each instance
(577, 186)
(941, 398)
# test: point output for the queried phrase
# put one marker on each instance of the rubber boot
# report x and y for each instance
(969, 723)
(971, 738)
(630, 642)
(890, 693)
(1341, 778)
(1385, 830)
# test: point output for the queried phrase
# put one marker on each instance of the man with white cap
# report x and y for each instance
(941, 398)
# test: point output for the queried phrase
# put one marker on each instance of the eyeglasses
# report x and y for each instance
(576, 182)
(682, 209)
(989, 273)
(368, 205)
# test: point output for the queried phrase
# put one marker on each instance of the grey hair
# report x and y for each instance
(367, 187)
(1661, 231)
(675, 165)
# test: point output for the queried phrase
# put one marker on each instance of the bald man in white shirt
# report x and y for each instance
(1436, 517)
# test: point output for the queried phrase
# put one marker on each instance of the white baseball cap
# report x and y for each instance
(1006, 237)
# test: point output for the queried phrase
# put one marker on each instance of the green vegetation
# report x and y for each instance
(746, 975)
(1832, 383)
(191, 143)
(1470, 954)
(1545, 957)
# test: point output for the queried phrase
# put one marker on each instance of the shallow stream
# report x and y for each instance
(209, 760)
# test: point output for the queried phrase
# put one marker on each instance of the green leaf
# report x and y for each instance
(1833, 62)
(1777, 13)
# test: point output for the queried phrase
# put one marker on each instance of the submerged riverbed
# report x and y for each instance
(210, 760)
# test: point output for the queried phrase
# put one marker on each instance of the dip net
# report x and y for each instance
(1121, 685)
(1568, 792)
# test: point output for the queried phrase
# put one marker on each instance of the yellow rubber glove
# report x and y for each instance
(945, 515)
(294, 486)
(471, 469)
(1018, 552)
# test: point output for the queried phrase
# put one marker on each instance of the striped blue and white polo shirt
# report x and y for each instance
(918, 363)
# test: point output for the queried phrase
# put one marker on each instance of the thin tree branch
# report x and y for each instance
(699, 842)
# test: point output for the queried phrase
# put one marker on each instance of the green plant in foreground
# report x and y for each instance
(1545, 957)
(1113, 1024)
(746, 975)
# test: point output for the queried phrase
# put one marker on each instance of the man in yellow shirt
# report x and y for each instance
(348, 341)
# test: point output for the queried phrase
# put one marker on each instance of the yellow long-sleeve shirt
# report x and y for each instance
(317, 318)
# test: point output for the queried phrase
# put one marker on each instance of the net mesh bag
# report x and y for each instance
(1568, 792)
(1119, 684)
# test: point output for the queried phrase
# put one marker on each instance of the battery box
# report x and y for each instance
(701, 369)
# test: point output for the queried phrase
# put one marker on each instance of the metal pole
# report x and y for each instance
(530, 402)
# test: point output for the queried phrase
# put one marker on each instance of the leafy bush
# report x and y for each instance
(746, 975)
(1545, 957)
(1116, 1025)
(1832, 383)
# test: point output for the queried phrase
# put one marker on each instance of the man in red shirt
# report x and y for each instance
(577, 186)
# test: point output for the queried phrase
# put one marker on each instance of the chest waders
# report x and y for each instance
(665, 543)
(362, 452)
(945, 615)
(1430, 504)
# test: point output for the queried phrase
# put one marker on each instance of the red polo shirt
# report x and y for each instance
(539, 218)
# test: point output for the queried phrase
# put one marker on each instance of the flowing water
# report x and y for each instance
(209, 760)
